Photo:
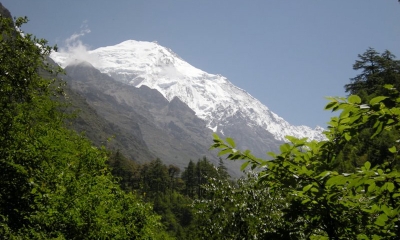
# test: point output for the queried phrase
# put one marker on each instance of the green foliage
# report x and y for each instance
(347, 186)
(172, 196)
(53, 182)
(377, 71)
(195, 175)
(243, 209)
(320, 201)
(188, 176)
(156, 179)
(159, 185)
(127, 171)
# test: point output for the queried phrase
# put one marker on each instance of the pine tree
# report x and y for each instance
(376, 71)
(188, 177)
(222, 170)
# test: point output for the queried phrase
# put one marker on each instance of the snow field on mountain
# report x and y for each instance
(212, 97)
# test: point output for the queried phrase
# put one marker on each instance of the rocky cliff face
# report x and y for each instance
(170, 129)
(4, 12)
(223, 107)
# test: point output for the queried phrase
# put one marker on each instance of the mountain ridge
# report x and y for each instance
(170, 129)
(212, 97)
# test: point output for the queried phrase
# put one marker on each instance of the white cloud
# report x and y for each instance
(76, 51)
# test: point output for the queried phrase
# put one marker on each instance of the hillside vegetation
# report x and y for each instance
(55, 184)
(347, 187)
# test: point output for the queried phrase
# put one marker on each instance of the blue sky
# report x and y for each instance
(287, 54)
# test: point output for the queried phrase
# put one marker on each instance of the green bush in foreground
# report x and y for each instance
(53, 183)
(321, 203)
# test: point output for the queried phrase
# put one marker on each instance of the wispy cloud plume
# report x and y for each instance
(75, 51)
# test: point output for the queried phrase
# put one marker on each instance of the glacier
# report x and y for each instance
(211, 96)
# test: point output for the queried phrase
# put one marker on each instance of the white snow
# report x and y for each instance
(211, 96)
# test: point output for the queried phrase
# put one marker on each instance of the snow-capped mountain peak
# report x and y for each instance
(212, 97)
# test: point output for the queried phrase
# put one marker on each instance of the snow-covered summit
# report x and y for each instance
(212, 97)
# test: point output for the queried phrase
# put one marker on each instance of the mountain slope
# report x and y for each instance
(212, 97)
(170, 129)
(101, 132)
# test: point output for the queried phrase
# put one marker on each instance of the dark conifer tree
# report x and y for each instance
(376, 70)
(188, 176)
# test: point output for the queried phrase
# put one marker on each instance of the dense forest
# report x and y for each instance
(55, 184)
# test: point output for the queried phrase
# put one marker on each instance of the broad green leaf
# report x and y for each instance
(386, 210)
(306, 188)
(354, 99)
(371, 187)
(346, 112)
(216, 136)
(393, 149)
(376, 100)
(291, 139)
(347, 136)
(378, 129)
(225, 151)
(324, 174)
(381, 220)
(362, 237)
(345, 120)
(367, 165)
(376, 124)
(388, 86)
(244, 165)
(331, 99)
(396, 195)
(284, 148)
(331, 105)
(390, 121)
(395, 111)
(341, 128)
(272, 154)
(390, 186)
(231, 142)
(337, 180)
